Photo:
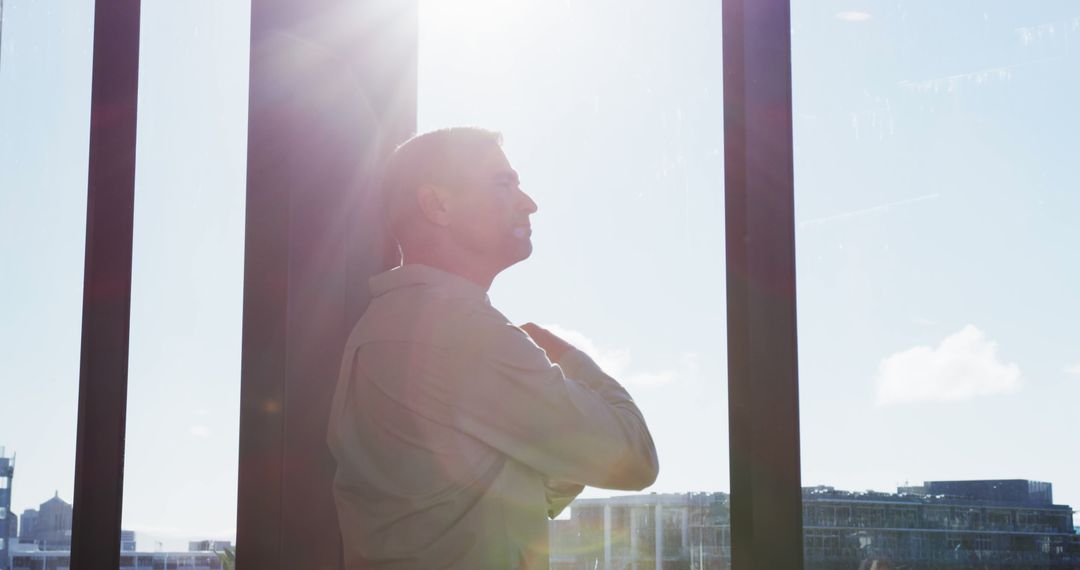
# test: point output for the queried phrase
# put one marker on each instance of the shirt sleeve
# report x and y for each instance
(571, 422)
(559, 495)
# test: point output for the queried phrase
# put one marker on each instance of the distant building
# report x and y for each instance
(127, 541)
(61, 560)
(694, 531)
(48, 527)
(948, 524)
(27, 524)
(209, 545)
(1011, 491)
(984, 525)
(7, 519)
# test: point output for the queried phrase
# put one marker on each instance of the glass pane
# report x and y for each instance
(936, 198)
(611, 113)
(45, 75)
(187, 278)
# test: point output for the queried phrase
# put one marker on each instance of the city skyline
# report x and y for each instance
(993, 522)
(925, 490)
(941, 524)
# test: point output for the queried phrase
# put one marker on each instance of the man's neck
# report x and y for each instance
(474, 272)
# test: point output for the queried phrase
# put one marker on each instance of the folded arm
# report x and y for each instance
(572, 422)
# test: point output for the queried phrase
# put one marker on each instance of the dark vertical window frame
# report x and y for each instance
(766, 495)
(99, 453)
(332, 90)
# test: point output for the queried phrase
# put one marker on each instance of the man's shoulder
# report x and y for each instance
(493, 336)
(482, 325)
(426, 315)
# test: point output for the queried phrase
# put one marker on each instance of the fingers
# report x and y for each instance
(536, 331)
(554, 346)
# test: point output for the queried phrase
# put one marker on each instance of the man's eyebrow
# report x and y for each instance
(507, 176)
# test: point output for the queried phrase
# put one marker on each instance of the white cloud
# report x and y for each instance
(617, 361)
(853, 16)
(964, 366)
(1073, 370)
(647, 379)
(200, 431)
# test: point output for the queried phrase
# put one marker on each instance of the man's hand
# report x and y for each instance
(554, 346)
(559, 495)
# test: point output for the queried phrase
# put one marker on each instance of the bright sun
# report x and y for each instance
(476, 22)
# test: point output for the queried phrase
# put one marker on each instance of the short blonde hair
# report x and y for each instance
(436, 157)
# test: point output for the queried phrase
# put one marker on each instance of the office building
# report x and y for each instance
(61, 560)
(7, 521)
(48, 526)
(985, 525)
(209, 545)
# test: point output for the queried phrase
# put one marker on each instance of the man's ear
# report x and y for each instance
(433, 203)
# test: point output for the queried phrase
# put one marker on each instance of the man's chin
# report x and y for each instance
(521, 252)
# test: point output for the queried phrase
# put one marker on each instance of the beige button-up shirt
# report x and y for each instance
(456, 438)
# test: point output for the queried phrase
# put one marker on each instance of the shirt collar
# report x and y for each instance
(414, 274)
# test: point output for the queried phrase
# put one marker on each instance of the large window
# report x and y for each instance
(45, 70)
(611, 113)
(187, 275)
(936, 200)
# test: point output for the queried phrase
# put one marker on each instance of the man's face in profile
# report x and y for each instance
(489, 214)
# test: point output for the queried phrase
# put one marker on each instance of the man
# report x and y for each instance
(456, 433)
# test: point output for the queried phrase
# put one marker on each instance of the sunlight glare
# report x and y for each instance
(472, 21)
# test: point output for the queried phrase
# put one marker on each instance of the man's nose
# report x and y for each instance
(527, 203)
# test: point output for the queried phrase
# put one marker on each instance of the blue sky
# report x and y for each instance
(937, 333)
(936, 194)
